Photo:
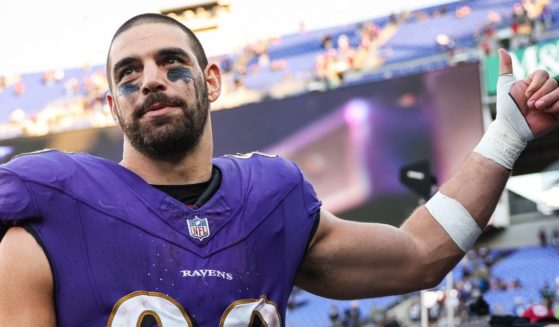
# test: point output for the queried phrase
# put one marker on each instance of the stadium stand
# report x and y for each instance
(533, 267)
(386, 47)
(312, 310)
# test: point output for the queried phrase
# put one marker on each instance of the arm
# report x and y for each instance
(26, 284)
(355, 260)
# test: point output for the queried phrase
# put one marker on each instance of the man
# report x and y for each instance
(96, 243)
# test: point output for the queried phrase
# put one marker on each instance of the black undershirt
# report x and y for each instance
(187, 194)
(194, 195)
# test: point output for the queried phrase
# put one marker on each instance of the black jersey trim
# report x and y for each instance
(37, 238)
(213, 186)
(313, 232)
(3, 230)
(310, 238)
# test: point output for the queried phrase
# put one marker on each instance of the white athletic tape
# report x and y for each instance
(508, 135)
(455, 219)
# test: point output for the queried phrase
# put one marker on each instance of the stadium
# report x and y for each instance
(377, 113)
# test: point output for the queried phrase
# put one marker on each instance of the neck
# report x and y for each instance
(194, 167)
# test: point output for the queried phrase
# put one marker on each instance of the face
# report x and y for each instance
(159, 93)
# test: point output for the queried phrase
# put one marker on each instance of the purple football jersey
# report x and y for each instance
(121, 250)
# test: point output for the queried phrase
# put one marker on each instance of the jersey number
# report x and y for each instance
(131, 309)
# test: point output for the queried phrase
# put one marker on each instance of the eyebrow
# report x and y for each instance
(174, 51)
(121, 64)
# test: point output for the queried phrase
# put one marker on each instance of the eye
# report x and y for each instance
(127, 72)
(172, 61)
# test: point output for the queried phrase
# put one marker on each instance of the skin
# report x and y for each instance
(345, 259)
(26, 284)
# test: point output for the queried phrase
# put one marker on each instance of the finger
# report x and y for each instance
(528, 80)
(554, 109)
(548, 99)
(537, 79)
(505, 62)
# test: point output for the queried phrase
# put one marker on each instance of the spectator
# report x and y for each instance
(547, 293)
(3, 83)
(355, 313)
(19, 87)
(540, 312)
(546, 17)
(375, 315)
(555, 238)
(346, 320)
(463, 11)
(226, 64)
(72, 86)
(334, 315)
(519, 307)
(542, 235)
(326, 42)
(478, 307)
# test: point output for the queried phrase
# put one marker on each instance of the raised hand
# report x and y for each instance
(537, 96)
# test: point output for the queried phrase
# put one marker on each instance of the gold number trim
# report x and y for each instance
(156, 294)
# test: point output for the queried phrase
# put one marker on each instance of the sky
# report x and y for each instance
(38, 35)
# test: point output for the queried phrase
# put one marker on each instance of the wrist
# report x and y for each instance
(501, 144)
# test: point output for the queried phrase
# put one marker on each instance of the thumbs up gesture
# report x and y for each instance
(525, 109)
(536, 97)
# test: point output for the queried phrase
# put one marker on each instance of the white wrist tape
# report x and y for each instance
(455, 220)
(508, 135)
(501, 145)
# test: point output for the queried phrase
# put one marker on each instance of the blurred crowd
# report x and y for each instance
(529, 20)
(473, 279)
(81, 104)
(341, 57)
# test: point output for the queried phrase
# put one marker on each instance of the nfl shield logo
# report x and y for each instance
(198, 228)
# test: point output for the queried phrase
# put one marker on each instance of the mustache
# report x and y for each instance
(160, 98)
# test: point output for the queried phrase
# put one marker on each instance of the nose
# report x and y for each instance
(153, 80)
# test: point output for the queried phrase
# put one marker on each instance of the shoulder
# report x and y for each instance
(269, 179)
(261, 167)
(20, 175)
(46, 165)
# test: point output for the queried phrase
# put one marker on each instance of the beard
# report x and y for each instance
(168, 136)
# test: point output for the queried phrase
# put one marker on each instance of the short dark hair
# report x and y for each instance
(159, 18)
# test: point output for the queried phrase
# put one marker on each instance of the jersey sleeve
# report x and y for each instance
(310, 200)
(303, 197)
(16, 201)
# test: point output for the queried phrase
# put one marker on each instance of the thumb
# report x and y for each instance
(505, 62)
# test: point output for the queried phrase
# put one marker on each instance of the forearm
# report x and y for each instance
(477, 186)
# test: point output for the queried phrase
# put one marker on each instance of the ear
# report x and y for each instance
(213, 81)
(112, 105)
